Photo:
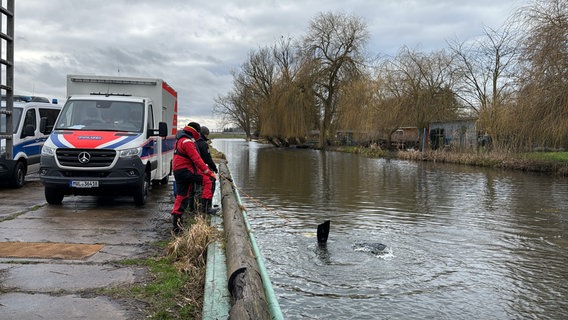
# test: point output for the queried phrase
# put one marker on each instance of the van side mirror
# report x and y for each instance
(163, 129)
(43, 125)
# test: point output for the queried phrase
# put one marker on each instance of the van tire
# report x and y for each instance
(19, 176)
(141, 193)
(53, 195)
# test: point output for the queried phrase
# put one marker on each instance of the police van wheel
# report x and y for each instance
(141, 194)
(19, 176)
(53, 195)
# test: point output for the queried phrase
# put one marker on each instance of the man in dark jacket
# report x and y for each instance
(208, 180)
(188, 168)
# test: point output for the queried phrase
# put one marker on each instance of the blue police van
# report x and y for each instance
(27, 138)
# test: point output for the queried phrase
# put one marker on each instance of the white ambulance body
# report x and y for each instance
(115, 135)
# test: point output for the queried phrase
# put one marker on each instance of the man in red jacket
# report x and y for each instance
(188, 167)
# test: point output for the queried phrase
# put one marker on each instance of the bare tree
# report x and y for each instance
(258, 77)
(235, 109)
(285, 58)
(423, 86)
(334, 46)
(486, 79)
(286, 117)
(393, 96)
(543, 98)
(356, 108)
(252, 86)
(287, 120)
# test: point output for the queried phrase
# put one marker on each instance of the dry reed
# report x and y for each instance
(189, 253)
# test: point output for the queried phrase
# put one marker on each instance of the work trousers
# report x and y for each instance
(208, 183)
(185, 180)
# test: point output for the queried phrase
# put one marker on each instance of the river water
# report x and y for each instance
(462, 242)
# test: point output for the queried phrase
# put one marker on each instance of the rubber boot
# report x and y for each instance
(177, 224)
(206, 206)
(191, 204)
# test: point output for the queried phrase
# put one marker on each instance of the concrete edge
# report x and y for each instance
(216, 304)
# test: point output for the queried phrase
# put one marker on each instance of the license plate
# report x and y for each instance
(84, 184)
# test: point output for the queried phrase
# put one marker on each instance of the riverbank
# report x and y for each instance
(550, 163)
(553, 163)
(180, 271)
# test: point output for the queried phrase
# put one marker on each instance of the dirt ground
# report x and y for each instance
(68, 288)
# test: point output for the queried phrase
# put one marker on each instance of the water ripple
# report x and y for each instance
(462, 243)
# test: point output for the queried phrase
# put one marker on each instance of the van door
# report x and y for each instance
(29, 141)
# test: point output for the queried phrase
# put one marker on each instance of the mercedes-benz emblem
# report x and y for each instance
(84, 157)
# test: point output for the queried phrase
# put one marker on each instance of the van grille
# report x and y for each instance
(85, 158)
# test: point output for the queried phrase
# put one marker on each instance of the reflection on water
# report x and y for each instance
(462, 242)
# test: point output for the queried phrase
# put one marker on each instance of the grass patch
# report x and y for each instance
(547, 156)
(163, 293)
(545, 162)
(366, 152)
(176, 286)
(216, 154)
(226, 136)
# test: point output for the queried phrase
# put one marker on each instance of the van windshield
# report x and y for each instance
(16, 116)
(101, 115)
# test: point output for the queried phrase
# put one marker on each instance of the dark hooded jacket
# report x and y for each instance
(203, 148)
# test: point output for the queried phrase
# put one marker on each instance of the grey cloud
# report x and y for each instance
(194, 45)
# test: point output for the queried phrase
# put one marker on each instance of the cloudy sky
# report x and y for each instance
(194, 45)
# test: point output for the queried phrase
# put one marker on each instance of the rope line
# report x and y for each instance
(252, 198)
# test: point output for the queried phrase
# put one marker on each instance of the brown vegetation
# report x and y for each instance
(485, 159)
(189, 253)
(513, 79)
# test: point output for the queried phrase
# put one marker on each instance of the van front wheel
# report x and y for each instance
(19, 176)
(141, 193)
(54, 195)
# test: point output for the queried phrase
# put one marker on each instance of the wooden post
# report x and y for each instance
(245, 285)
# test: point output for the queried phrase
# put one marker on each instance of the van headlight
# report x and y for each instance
(133, 152)
(47, 151)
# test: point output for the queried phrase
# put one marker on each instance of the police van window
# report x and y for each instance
(51, 115)
(30, 118)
